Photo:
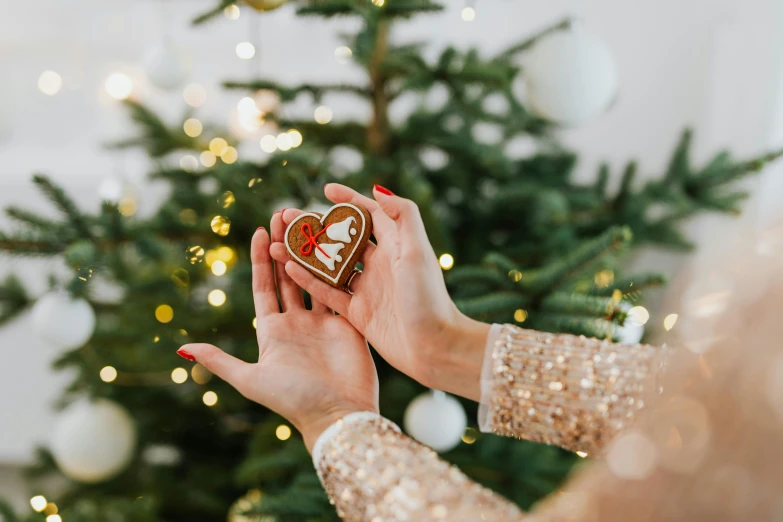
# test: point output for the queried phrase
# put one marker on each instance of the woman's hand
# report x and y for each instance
(400, 303)
(313, 367)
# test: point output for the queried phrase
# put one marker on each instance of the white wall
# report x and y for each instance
(711, 64)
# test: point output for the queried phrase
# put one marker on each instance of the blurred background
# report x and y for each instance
(713, 65)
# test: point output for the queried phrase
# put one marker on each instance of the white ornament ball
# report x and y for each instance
(167, 66)
(571, 76)
(436, 420)
(629, 333)
(63, 321)
(93, 441)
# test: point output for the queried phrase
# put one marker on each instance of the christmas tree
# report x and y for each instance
(520, 240)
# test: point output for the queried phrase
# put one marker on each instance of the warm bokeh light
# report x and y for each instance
(164, 313)
(581, 454)
(219, 268)
(295, 136)
(323, 114)
(194, 254)
(208, 159)
(220, 225)
(255, 322)
(515, 275)
(604, 278)
(195, 95)
(520, 315)
(50, 83)
(179, 375)
(192, 127)
(210, 398)
(188, 163)
(119, 86)
(446, 261)
(247, 105)
(218, 146)
(669, 321)
(216, 297)
(227, 199)
(379, 3)
(38, 503)
(343, 54)
(283, 142)
(283, 432)
(470, 436)
(224, 253)
(108, 374)
(200, 374)
(127, 206)
(229, 155)
(232, 12)
(468, 14)
(54, 518)
(269, 143)
(638, 315)
(250, 116)
(246, 50)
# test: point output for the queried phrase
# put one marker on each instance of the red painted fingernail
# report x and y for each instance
(260, 228)
(283, 212)
(185, 354)
(383, 190)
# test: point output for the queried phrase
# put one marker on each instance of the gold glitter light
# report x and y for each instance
(210, 398)
(221, 225)
(446, 261)
(283, 432)
(38, 503)
(108, 374)
(164, 313)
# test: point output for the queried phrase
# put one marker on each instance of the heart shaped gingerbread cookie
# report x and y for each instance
(330, 245)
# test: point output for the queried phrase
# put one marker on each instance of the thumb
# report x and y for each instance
(405, 214)
(232, 370)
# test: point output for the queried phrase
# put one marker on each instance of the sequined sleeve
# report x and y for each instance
(374, 473)
(566, 390)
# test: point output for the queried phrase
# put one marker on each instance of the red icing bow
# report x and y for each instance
(307, 248)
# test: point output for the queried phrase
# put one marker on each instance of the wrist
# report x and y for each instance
(456, 367)
(312, 429)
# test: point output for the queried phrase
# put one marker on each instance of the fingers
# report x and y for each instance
(336, 299)
(405, 214)
(290, 294)
(232, 370)
(337, 193)
(264, 295)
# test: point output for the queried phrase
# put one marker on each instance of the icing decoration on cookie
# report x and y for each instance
(339, 231)
(330, 245)
(330, 256)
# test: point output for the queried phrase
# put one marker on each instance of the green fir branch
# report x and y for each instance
(213, 12)
(492, 304)
(13, 298)
(633, 284)
(31, 219)
(584, 305)
(541, 280)
(65, 204)
(509, 53)
(288, 94)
